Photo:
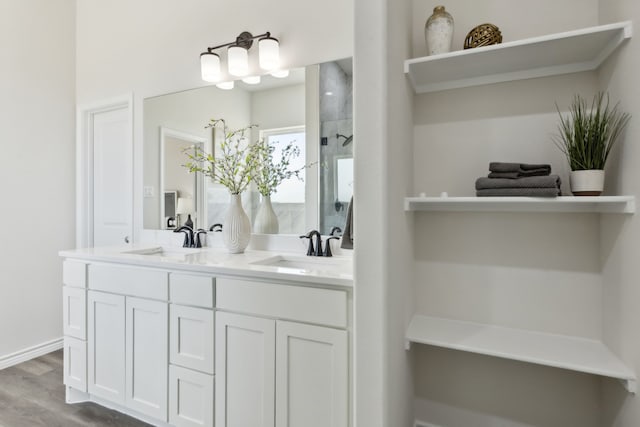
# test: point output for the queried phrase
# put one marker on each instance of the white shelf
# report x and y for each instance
(563, 53)
(599, 204)
(559, 351)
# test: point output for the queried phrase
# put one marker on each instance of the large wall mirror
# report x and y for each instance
(311, 108)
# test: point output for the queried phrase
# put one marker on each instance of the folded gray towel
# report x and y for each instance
(347, 235)
(519, 192)
(517, 170)
(551, 181)
(515, 167)
(520, 174)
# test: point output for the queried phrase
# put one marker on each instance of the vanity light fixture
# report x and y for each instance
(210, 66)
(238, 56)
(281, 74)
(225, 85)
(252, 80)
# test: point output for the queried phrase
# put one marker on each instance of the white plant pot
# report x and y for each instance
(587, 182)
(266, 220)
(236, 230)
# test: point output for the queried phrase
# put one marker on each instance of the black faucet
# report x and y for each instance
(216, 227)
(188, 236)
(335, 230)
(317, 249)
(197, 243)
(327, 248)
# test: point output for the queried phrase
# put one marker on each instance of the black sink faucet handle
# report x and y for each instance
(327, 248)
(310, 250)
(188, 235)
(197, 242)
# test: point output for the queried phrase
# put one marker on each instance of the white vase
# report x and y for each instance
(236, 230)
(266, 220)
(438, 31)
(587, 182)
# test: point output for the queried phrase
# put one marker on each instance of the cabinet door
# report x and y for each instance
(75, 363)
(191, 338)
(245, 371)
(312, 380)
(106, 346)
(190, 397)
(74, 312)
(147, 361)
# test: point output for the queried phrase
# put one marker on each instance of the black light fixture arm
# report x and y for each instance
(245, 40)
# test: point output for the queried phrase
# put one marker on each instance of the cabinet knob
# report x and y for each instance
(126, 239)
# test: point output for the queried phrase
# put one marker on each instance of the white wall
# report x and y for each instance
(36, 166)
(369, 209)
(539, 272)
(621, 236)
(278, 107)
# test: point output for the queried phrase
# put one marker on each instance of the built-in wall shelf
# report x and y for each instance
(559, 351)
(563, 53)
(586, 204)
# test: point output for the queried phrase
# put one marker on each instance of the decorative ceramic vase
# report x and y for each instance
(237, 227)
(438, 31)
(587, 182)
(266, 220)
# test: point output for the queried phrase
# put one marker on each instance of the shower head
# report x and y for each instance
(347, 139)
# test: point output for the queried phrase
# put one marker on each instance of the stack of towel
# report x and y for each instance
(518, 179)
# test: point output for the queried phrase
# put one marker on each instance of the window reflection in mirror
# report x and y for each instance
(288, 201)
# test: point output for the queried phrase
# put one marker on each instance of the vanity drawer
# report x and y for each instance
(191, 337)
(74, 274)
(189, 289)
(190, 398)
(321, 306)
(75, 363)
(74, 312)
(133, 281)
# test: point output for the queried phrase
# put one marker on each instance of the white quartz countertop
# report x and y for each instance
(337, 270)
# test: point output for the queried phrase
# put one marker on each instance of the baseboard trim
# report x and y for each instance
(419, 423)
(30, 353)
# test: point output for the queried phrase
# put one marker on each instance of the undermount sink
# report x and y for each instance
(164, 252)
(306, 263)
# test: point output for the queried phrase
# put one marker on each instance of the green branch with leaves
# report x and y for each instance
(269, 173)
(234, 165)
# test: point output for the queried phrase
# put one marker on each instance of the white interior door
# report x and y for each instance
(112, 177)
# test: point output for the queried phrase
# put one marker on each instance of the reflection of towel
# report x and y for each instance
(551, 181)
(517, 170)
(347, 236)
(519, 192)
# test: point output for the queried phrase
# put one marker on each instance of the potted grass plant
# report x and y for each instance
(586, 137)
(232, 166)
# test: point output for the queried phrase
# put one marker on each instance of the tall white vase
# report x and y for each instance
(236, 230)
(266, 220)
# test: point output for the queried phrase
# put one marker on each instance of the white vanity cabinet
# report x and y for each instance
(184, 348)
(303, 368)
(74, 309)
(128, 339)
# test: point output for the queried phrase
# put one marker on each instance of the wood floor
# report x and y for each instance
(32, 395)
